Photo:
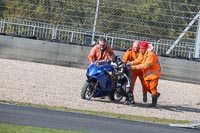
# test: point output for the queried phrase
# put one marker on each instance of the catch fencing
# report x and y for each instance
(68, 35)
(121, 22)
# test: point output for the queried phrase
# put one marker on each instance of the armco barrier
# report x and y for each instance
(76, 56)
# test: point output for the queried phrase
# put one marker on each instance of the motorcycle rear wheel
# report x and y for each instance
(87, 91)
(117, 97)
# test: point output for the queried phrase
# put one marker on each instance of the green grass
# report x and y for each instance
(10, 128)
(105, 114)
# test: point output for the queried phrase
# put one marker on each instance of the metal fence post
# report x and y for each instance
(95, 21)
(72, 36)
(3, 25)
(112, 45)
(197, 43)
(54, 32)
(156, 47)
(33, 30)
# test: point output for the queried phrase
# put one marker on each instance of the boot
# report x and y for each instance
(129, 99)
(154, 100)
(145, 97)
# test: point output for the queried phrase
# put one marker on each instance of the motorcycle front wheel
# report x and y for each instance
(87, 91)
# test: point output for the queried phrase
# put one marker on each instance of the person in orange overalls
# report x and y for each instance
(151, 70)
(129, 56)
(99, 51)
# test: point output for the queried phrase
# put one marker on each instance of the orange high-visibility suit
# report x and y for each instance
(151, 69)
(96, 54)
(129, 56)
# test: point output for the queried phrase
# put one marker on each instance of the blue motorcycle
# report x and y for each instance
(99, 83)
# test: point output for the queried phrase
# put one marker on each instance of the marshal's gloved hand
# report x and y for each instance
(133, 67)
(128, 65)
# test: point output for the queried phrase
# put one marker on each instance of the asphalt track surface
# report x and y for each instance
(39, 117)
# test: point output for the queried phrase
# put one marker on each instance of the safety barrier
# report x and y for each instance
(76, 56)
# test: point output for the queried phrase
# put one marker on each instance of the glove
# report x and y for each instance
(133, 67)
(128, 65)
